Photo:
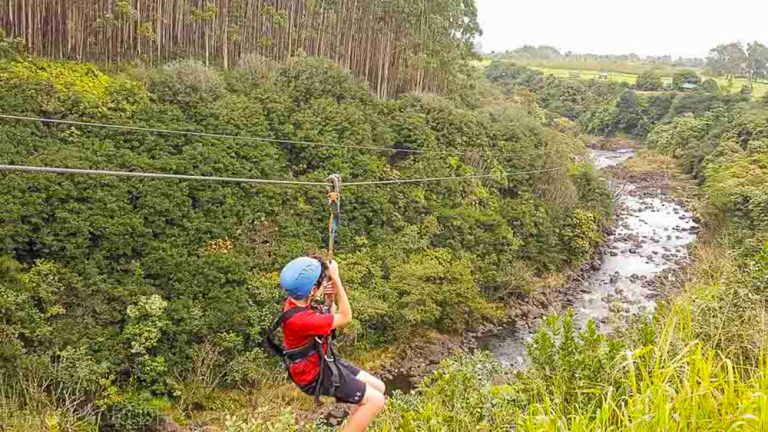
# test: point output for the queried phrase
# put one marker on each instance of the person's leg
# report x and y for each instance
(368, 409)
(372, 381)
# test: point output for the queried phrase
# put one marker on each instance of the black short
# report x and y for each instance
(350, 390)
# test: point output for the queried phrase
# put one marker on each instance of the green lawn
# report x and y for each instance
(760, 88)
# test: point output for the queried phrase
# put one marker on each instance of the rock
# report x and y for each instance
(166, 424)
(652, 296)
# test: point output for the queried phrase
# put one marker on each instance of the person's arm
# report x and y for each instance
(343, 313)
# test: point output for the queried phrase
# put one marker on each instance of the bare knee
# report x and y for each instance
(374, 399)
(379, 385)
(372, 381)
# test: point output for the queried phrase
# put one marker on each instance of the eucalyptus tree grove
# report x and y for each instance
(396, 45)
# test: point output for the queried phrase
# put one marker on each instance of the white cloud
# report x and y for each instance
(685, 28)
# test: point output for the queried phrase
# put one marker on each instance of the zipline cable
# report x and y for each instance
(437, 179)
(79, 171)
(53, 170)
(246, 138)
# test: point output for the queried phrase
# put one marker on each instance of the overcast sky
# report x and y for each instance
(687, 28)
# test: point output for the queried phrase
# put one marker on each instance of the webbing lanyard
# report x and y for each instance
(334, 205)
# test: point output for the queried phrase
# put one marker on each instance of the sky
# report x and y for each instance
(681, 28)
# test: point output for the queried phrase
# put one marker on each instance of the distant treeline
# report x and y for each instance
(545, 52)
(395, 45)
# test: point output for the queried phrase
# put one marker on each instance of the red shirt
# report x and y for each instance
(299, 330)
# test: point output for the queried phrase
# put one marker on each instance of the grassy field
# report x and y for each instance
(760, 88)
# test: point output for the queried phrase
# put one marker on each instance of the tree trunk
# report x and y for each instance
(225, 33)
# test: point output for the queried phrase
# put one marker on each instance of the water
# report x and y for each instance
(652, 234)
(606, 158)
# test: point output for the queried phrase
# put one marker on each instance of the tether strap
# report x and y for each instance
(334, 206)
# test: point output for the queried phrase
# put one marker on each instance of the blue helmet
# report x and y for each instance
(299, 276)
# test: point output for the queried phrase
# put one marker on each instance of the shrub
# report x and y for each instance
(255, 69)
(737, 187)
(132, 413)
(459, 396)
(11, 48)
(649, 80)
(709, 85)
(187, 83)
(436, 290)
(685, 76)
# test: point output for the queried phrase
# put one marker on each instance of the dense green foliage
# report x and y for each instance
(143, 289)
(649, 80)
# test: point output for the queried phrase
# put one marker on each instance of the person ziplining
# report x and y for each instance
(309, 327)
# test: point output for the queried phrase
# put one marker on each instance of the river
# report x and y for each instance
(652, 233)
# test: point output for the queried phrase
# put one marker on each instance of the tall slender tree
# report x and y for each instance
(757, 61)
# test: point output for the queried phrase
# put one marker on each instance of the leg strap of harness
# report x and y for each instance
(328, 366)
(320, 378)
(333, 367)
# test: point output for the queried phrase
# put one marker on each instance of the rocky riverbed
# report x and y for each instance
(650, 238)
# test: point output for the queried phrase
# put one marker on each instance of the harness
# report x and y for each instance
(329, 369)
